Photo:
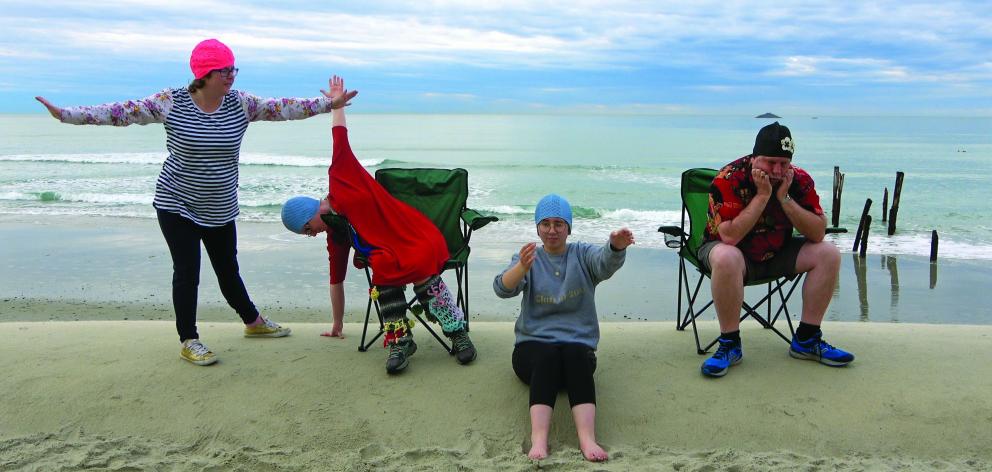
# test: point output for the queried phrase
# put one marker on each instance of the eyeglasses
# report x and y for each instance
(548, 225)
(227, 71)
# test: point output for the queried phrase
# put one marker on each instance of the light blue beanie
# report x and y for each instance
(553, 206)
(297, 211)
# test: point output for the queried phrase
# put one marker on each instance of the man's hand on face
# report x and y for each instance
(783, 186)
(761, 181)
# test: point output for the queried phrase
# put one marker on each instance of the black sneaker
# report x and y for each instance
(462, 347)
(399, 354)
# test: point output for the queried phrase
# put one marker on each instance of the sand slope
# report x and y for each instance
(115, 396)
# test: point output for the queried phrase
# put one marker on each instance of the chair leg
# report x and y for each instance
(462, 274)
(678, 299)
(362, 345)
(691, 314)
(431, 330)
(784, 299)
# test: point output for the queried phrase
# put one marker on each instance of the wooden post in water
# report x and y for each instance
(861, 224)
(885, 205)
(933, 246)
(933, 260)
(835, 204)
(895, 203)
(864, 237)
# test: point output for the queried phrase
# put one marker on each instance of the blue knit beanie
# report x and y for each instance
(297, 211)
(553, 206)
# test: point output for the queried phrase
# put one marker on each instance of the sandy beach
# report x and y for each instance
(93, 379)
(114, 395)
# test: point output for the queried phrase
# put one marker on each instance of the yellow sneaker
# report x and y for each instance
(195, 352)
(268, 329)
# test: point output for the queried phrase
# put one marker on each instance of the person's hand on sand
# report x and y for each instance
(54, 110)
(340, 96)
(621, 238)
(527, 255)
(337, 331)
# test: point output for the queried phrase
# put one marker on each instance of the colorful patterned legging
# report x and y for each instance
(433, 296)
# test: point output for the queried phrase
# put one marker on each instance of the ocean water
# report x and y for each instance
(617, 170)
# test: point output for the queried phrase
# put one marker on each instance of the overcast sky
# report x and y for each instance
(738, 57)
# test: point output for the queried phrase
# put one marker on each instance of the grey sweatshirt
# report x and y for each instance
(562, 308)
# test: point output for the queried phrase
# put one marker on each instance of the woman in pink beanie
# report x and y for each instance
(196, 195)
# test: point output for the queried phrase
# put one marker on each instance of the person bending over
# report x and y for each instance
(402, 246)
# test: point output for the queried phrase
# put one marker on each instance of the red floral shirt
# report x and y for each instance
(733, 189)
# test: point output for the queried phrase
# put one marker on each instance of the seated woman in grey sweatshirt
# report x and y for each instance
(558, 330)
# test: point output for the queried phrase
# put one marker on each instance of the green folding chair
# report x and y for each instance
(695, 190)
(441, 195)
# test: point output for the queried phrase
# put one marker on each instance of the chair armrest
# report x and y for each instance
(476, 220)
(672, 231)
(675, 237)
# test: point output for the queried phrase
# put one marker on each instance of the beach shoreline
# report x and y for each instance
(102, 268)
(114, 395)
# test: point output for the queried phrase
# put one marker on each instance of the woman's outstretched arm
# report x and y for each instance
(153, 109)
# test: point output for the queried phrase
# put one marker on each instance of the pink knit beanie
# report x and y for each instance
(210, 55)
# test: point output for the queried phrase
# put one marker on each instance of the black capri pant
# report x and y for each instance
(183, 237)
(549, 368)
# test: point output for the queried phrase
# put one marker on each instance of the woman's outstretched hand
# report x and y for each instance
(621, 238)
(340, 96)
(54, 110)
(527, 255)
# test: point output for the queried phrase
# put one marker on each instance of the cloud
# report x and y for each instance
(553, 49)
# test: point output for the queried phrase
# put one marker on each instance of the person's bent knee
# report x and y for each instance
(825, 254)
(724, 258)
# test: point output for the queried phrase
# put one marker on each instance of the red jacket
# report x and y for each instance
(407, 246)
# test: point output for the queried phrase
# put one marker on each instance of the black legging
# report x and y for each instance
(183, 237)
(548, 368)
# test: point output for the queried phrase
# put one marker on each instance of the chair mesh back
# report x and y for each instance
(440, 194)
(696, 200)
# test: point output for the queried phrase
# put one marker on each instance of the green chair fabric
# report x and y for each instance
(441, 195)
(695, 191)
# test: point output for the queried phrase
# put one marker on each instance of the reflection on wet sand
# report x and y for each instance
(893, 268)
(933, 275)
(861, 275)
(889, 264)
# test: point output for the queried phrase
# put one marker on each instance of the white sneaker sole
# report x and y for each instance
(212, 360)
(724, 371)
(278, 334)
(811, 357)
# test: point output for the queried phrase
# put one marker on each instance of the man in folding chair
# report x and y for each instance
(755, 203)
(402, 246)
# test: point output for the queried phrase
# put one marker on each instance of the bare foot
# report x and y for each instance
(538, 452)
(593, 452)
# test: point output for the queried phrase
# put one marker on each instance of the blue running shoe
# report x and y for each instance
(816, 349)
(729, 353)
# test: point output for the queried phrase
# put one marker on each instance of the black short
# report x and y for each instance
(783, 264)
(548, 368)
